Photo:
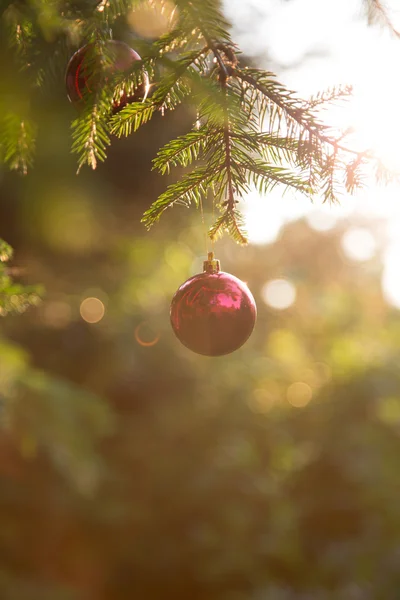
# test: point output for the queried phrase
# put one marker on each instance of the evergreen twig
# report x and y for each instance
(250, 130)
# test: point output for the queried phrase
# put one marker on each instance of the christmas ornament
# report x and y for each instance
(213, 313)
(79, 81)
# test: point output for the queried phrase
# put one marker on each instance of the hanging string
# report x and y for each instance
(198, 125)
(204, 225)
(213, 217)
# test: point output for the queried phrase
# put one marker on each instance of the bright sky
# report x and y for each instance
(312, 45)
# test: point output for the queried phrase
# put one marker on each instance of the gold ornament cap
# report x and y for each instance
(211, 265)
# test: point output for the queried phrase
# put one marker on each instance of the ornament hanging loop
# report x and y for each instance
(211, 265)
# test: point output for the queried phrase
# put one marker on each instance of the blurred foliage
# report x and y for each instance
(132, 468)
(269, 473)
(13, 297)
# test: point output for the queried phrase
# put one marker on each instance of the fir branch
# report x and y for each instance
(328, 96)
(131, 117)
(273, 148)
(296, 111)
(190, 189)
(354, 177)
(179, 74)
(283, 100)
(14, 297)
(205, 16)
(90, 132)
(227, 142)
(112, 9)
(18, 141)
(6, 251)
(383, 174)
(328, 172)
(175, 86)
(378, 13)
(197, 58)
(182, 151)
(266, 176)
(174, 40)
(20, 32)
(231, 222)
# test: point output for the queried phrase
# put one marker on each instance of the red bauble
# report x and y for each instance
(213, 313)
(78, 78)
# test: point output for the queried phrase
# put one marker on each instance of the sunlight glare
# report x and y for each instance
(391, 275)
(279, 294)
(359, 244)
(321, 220)
(322, 46)
(263, 221)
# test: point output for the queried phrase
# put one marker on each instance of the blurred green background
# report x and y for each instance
(133, 468)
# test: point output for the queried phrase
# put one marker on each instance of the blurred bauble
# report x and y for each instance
(213, 313)
(79, 77)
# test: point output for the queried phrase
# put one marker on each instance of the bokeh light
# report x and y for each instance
(152, 20)
(279, 294)
(92, 310)
(146, 335)
(299, 394)
(321, 220)
(359, 244)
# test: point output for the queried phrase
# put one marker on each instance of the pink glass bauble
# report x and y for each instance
(213, 313)
(78, 78)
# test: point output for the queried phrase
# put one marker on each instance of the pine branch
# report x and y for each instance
(20, 32)
(182, 151)
(90, 133)
(227, 142)
(265, 177)
(297, 112)
(378, 13)
(328, 177)
(179, 74)
(328, 96)
(354, 177)
(6, 251)
(130, 118)
(230, 141)
(18, 141)
(273, 148)
(112, 9)
(286, 101)
(206, 16)
(383, 174)
(190, 189)
(196, 60)
(14, 297)
(175, 86)
(231, 222)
